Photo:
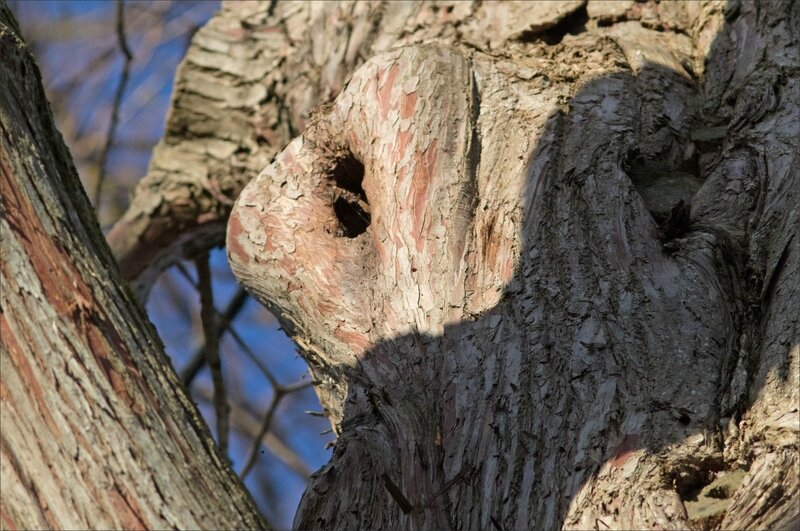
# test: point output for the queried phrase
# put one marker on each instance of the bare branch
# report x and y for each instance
(208, 316)
(253, 457)
(223, 323)
(245, 348)
(123, 81)
(247, 423)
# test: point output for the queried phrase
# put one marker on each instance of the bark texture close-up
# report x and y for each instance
(548, 282)
(541, 258)
(97, 431)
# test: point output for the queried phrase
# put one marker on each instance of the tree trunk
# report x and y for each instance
(552, 283)
(97, 431)
(542, 259)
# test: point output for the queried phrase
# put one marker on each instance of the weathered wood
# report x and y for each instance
(524, 336)
(97, 431)
(247, 87)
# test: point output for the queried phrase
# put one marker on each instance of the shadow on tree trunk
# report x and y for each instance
(602, 386)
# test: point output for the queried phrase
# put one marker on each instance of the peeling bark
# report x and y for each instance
(97, 431)
(570, 305)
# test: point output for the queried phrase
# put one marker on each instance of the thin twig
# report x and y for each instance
(224, 320)
(188, 276)
(208, 316)
(281, 390)
(280, 393)
(252, 355)
(247, 423)
(245, 348)
(122, 41)
(253, 457)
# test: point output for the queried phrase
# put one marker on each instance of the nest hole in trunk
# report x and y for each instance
(350, 204)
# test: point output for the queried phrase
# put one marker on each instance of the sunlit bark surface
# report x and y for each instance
(97, 432)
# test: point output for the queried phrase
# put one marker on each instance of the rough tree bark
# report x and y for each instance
(97, 432)
(542, 258)
(548, 284)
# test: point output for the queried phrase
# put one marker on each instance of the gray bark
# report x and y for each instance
(97, 431)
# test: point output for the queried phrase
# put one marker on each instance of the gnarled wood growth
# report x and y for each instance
(551, 285)
(97, 431)
(248, 84)
(480, 245)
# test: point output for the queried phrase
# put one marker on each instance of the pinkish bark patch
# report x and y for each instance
(384, 91)
(358, 342)
(408, 105)
(403, 139)
(235, 249)
(423, 175)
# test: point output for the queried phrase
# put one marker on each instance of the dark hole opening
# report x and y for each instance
(348, 174)
(667, 190)
(350, 201)
(690, 478)
(572, 24)
(673, 226)
(722, 492)
(353, 219)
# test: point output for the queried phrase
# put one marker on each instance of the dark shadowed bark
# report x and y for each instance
(548, 286)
